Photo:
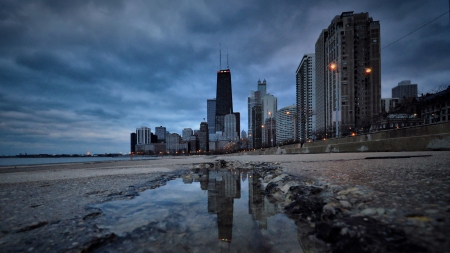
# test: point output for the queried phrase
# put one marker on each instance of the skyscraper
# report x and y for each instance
(203, 137)
(160, 133)
(143, 135)
(306, 98)
(211, 115)
(286, 124)
(345, 51)
(256, 124)
(133, 140)
(224, 98)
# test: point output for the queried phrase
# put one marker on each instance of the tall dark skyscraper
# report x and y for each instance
(224, 98)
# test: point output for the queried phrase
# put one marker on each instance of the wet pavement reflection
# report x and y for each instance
(211, 209)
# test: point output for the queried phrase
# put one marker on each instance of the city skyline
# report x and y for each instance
(81, 76)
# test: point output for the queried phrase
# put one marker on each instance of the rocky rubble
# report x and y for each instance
(333, 218)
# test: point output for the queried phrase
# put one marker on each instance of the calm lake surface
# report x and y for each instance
(210, 210)
(49, 160)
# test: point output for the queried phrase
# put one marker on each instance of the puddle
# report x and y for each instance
(212, 210)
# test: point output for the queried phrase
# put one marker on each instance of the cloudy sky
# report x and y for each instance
(78, 76)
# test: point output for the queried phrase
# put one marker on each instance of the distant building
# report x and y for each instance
(230, 127)
(238, 123)
(436, 107)
(252, 101)
(404, 89)
(306, 98)
(286, 124)
(173, 141)
(186, 134)
(161, 133)
(243, 134)
(203, 137)
(133, 142)
(387, 104)
(269, 105)
(211, 115)
(269, 130)
(143, 135)
(224, 98)
(193, 144)
(257, 125)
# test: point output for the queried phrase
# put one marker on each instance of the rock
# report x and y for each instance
(328, 210)
(380, 211)
(345, 204)
(369, 211)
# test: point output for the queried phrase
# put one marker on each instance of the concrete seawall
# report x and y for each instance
(420, 138)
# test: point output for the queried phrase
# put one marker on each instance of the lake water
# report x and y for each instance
(209, 210)
(49, 160)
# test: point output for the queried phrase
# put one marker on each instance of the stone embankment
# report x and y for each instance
(418, 138)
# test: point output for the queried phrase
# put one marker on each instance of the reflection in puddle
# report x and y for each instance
(209, 210)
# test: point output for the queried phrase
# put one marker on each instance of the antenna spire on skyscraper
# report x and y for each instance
(220, 56)
(228, 67)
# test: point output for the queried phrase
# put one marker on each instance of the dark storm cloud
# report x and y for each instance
(90, 72)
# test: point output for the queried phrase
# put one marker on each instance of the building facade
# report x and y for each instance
(387, 104)
(143, 135)
(133, 142)
(186, 134)
(286, 124)
(269, 105)
(203, 137)
(306, 98)
(224, 98)
(161, 133)
(404, 89)
(211, 115)
(269, 130)
(348, 74)
(257, 127)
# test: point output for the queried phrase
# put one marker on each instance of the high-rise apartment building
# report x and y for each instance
(286, 124)
(269, 108)
(230, 127)
(173, 141)
(133, 142)
(224, 98)
(306, 98)
(203, 137)
(160, 133)
(404, 89)
(186, 134)
(252, 101)
(269, 130)
(211, 115)
(349, 94)
(257, 125)
(143, 135)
